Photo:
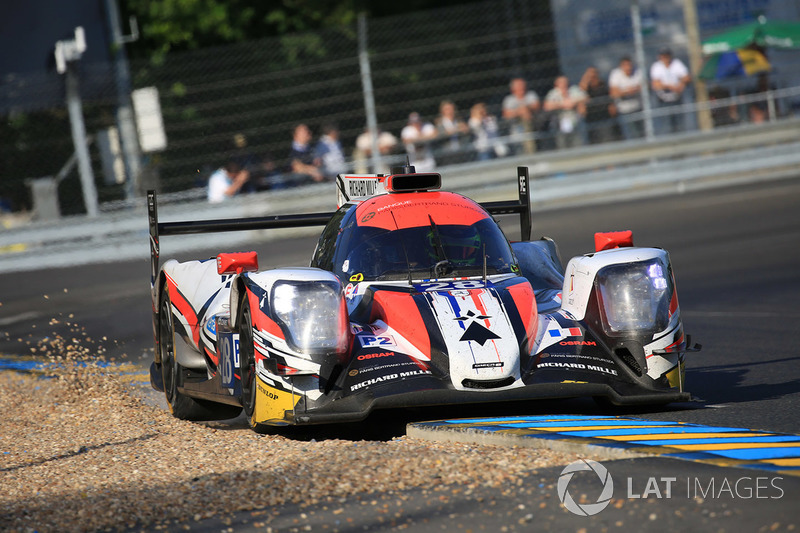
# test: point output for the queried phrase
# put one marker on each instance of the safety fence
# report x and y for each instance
(244, 100)
(559, 179)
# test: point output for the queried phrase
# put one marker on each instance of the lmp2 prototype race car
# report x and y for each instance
(413, 297)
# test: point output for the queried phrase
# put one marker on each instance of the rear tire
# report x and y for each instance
(247, 368)
(182, 406)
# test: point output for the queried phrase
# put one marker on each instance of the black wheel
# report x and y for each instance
(247, 367)
(180, 405)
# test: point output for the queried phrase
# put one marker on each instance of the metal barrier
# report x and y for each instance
(584, 175)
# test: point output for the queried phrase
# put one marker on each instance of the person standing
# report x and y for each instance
(417, 136)
(303, 166)
(452, 130)
(600, 109)
(485, 133)
(569, 105)
(519, 111)
(625, 88)
(330, 153)
(669, 77)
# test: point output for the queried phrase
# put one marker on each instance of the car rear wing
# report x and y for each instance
(522, 206)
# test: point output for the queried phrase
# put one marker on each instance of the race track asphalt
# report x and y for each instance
(735, 252)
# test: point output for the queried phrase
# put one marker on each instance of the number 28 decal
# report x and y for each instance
(452, 285)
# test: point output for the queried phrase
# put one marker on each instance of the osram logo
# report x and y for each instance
(577, 343)
(374, 355)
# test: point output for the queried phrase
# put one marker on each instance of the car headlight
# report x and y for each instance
(634, 297)
(313, 315)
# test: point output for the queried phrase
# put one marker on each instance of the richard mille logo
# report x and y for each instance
(476, 331)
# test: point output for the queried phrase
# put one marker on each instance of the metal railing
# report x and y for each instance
(583, 175)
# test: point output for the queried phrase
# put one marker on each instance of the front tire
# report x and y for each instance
(247, 368)
(182, 406)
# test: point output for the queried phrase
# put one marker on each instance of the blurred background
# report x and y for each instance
(103, 99)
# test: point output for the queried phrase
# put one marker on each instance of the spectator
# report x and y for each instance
(387, 144)
(485, 133)
(724, 115)
(451, 131)
(417, 136)
(669, 77)
(625, 88)
(569, 105)
(303, 167)
(226, 181)
(600, 110)
(758, 110)
(519, 110)
(329, 152)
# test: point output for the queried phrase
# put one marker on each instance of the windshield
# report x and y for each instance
(423, 252)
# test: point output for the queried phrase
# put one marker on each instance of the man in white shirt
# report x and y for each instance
(669, 78)
(625, 88)
(226, 181)
(568, 103)
(417, 136)
(519, 110)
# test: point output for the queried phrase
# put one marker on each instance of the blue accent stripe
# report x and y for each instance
(454, 305)
(672, 430)
(465, 421)
(720, 440)
(589, 423)
(748, 454)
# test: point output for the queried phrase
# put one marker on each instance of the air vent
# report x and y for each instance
(487, 384)
(628, 358)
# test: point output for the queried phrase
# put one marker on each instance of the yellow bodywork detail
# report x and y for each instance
(677, 376)
(792, 461)
(272, 404)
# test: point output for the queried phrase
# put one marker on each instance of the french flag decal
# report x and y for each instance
(558, 333)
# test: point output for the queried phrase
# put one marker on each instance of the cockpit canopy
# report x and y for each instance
(424, 236)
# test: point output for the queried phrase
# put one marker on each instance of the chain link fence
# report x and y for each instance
(244, 101)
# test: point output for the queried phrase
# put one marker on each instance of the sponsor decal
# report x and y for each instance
(577, 343)
(353, 372)
(346, 265)
(389, 377)
(356, 329)
(362, 187)
(369, 216)
(357, 278)
(211, 326)
(386, 367)
(350, 291)
(495, 364)
(476, 331)
(376, 340)
(267, 393)
(457, 285)
(558, 333)
(367, 356)
(579, 366)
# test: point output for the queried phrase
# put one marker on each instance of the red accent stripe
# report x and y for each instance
(525, 300)
(400, 310)
(184, 308)
(261, 320)
(212, 356)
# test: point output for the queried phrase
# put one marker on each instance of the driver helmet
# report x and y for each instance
(462, 244)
